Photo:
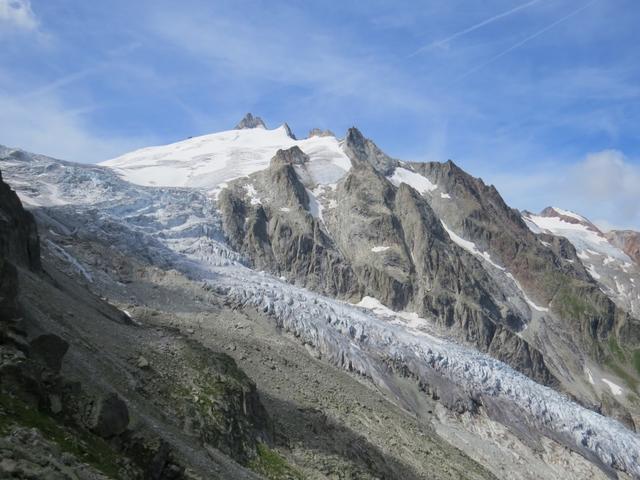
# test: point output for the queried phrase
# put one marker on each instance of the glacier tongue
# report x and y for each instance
(361, 341)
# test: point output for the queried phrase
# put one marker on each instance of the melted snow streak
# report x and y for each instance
(180, 228)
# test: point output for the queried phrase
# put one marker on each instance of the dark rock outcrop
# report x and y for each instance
(290, 133)
(109, 416)
(49, 350)
(19, 241)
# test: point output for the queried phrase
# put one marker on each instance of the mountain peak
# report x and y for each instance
(249, 121)
(570, 217)
(362, 150)
(287, 129)
(318, 132)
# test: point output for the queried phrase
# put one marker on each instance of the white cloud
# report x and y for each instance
(603, 186)
(608, 178)
(261, 51)
(45, 125)
(17, 14)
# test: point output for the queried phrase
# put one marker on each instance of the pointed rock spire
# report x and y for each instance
(249, 121)
(290, 156)
(289, 132)
(362, 150)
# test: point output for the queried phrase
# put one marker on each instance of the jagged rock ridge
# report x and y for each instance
(249, 121)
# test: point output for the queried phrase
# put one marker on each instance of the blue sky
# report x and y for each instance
(539, 97)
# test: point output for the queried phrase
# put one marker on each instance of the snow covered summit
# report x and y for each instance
(209, 161)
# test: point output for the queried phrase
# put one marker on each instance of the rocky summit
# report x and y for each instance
(248, 305)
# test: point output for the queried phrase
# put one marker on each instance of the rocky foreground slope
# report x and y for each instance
(442, 267)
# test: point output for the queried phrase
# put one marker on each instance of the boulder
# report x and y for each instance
(109, 416)
(49, 350)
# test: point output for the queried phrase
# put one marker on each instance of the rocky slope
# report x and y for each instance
(626, 240)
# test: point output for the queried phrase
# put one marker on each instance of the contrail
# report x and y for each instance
(80, 74)
(61, 82)
(527, 39)
(472, 28)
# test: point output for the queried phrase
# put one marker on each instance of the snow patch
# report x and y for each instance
(568, 213)
(615, 389)
(380, 249)
(587, 371)
(470, 247)
(253, 195)
(592, 271)
(315, 207)
(413, 179)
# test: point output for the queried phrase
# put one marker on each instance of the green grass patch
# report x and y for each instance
(85, 446)
(617, 352)
(270, 464)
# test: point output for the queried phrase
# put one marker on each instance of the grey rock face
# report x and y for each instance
(249, 121)
(552, 275)
(362, 150)
(290, 156)
(382, 241)
(19, 241)
(628, 241)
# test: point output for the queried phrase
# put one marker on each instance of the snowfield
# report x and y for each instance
(180, 228)
(210, 160)
(420, 183)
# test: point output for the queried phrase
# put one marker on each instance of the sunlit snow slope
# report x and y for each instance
(211, 160)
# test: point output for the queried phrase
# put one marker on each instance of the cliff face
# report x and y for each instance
(19, 241)
(628, 241)
(373, 239)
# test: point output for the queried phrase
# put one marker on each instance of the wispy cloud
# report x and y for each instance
(445, 41)
(601, 185)
(257, 50)
(46, 125)
(17, 14)
(525, 41)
